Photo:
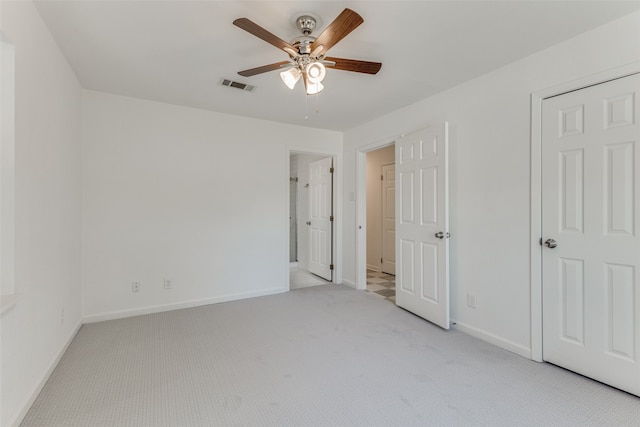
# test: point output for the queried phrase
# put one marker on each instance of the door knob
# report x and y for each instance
(441, 235)
(308, 222)
(550, 243)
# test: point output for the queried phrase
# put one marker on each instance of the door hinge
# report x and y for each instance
(331, 218)
(330, 170)
(381, 261)
(330, 266)
(381, 177)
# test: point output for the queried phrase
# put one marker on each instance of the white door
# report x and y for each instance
(591, 209)
(422, 246)
(320, 217)
(389, 219)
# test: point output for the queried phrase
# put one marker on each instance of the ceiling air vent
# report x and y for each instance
(237, 85)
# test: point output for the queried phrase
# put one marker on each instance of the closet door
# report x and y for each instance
(590, 215)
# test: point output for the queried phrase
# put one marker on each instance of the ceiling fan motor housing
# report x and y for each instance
(306, 24)
(303, 44)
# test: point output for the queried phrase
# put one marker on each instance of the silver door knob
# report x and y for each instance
(441, 235)
(550, 243)
(308, 222)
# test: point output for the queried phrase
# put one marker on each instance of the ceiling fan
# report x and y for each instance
(307, 54)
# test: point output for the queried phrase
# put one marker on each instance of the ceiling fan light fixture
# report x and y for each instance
(290, 77)
(314, 88)
(315, 72)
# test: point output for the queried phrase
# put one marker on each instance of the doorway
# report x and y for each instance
(311, 231)
(422, 221)
(380, 226)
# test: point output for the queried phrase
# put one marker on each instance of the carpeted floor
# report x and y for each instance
(319, 356)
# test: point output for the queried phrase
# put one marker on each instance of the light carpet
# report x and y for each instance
(320, 356)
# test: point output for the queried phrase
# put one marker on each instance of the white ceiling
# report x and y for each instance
(178, 51)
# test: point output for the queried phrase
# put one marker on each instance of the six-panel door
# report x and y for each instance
(320, 211)
(591, 206)
(422, 258)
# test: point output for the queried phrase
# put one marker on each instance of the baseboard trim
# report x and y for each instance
(121, 314)
(493, 339)
(375, 268)
(52, 366)
(349, 283)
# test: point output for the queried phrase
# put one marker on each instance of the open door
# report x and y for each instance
(422, 219)
(321, 217)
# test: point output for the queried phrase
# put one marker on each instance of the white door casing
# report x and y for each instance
(389, 219)
(320, 217)
(591, 208)
(422, 271)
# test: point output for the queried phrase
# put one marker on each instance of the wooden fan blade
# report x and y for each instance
(356, 65)
(263, 69)
(255, 29)
(346, 22)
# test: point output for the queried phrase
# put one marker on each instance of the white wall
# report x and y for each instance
(197, 197)
(490, 194)
(375, 160)
(48, 210)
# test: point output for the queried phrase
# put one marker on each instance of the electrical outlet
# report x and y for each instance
(168, 284)
(471, 300)
(135, 287)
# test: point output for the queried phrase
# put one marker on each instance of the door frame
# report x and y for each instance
(336, 238)
(537, 99)
(361, 207)
(382, 218)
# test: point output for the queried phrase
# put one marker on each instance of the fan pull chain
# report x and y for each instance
(317, 102)
(306, 109)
